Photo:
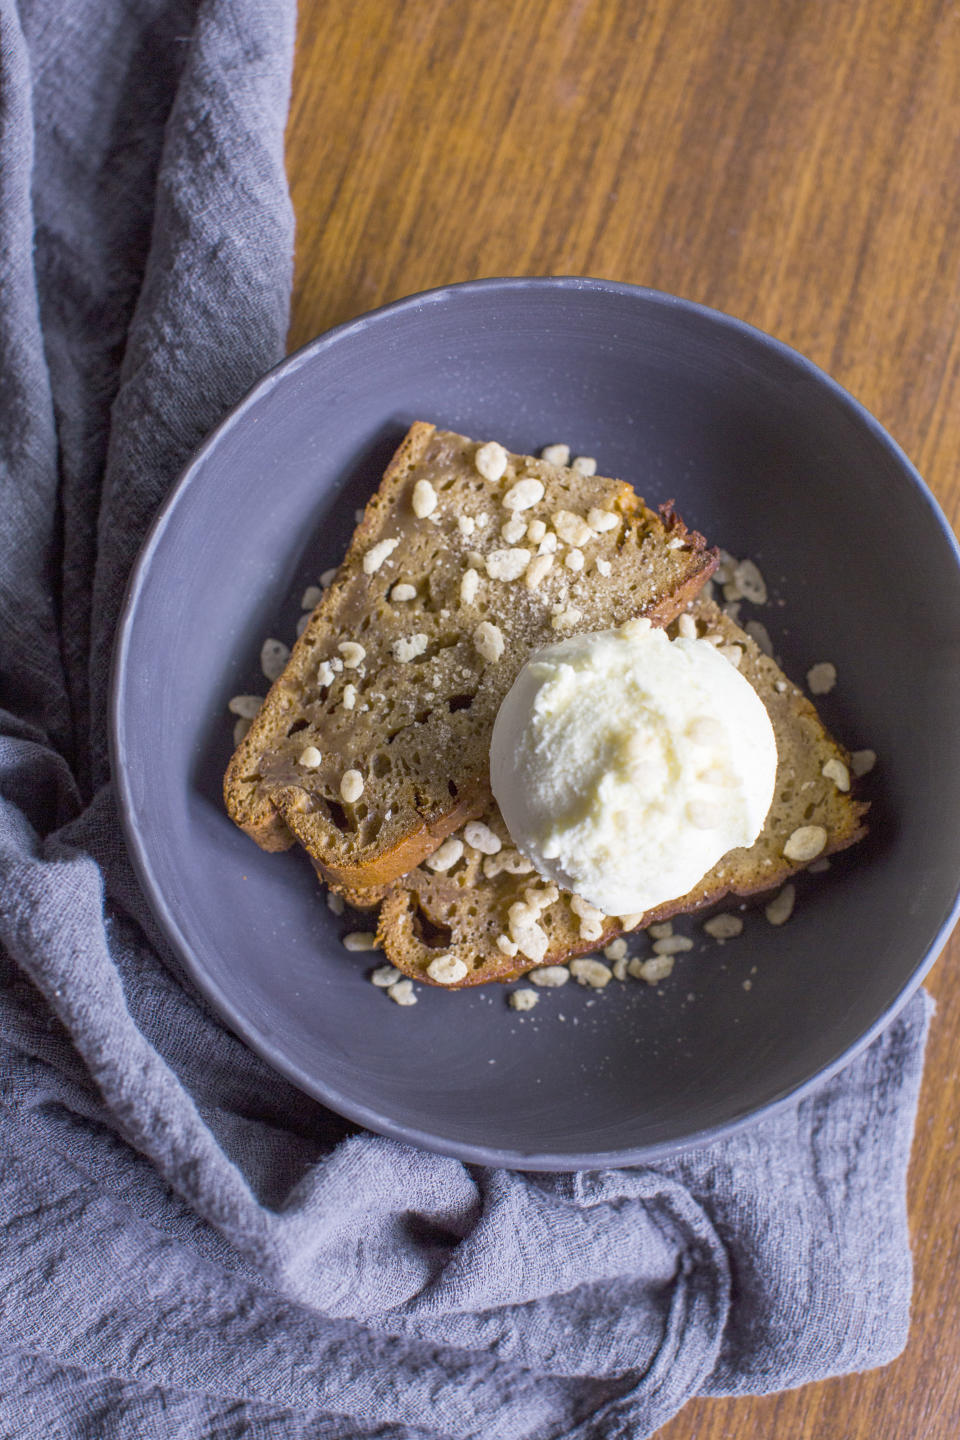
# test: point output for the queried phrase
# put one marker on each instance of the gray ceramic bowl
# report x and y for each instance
(765, 454)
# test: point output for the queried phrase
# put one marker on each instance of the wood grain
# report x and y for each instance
(794, 162)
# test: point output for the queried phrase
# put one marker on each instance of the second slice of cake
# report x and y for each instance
(455, 908)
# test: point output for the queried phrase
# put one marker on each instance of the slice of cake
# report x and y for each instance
(373, 744)
(455, 908)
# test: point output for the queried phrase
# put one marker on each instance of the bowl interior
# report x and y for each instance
(764, 455)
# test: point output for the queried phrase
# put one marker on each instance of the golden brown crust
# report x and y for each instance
(407, 853)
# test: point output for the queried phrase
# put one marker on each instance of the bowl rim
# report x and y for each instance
(164, 912)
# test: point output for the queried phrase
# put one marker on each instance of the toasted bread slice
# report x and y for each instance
(401, 669)
(462, 911)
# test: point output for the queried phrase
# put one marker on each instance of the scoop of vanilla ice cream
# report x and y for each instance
(625, 764)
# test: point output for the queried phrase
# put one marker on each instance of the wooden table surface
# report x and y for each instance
(793, 162)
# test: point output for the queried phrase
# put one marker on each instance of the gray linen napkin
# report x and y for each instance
(189, 1246)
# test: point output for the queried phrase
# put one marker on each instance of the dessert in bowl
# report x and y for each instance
(769, 457)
